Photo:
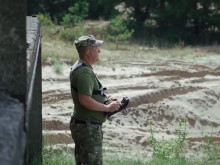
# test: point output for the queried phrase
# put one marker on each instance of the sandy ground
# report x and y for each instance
(162, 90)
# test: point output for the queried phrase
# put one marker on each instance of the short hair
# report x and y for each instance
(81, 51)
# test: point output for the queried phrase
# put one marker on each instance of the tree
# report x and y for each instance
(76, 13)
(102, 8)
(142, 10)
(118, 31)
(58, 8)
(191, 20)
(172, 18)
(55, 8)
(204, 15)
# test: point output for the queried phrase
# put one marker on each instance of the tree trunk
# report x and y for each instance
(117, 43)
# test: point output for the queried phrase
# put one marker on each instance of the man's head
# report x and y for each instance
(85, 41)
(88, 48)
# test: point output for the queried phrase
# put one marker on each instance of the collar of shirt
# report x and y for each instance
(84, 62)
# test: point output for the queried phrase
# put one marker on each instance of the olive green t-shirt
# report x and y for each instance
(84, 80)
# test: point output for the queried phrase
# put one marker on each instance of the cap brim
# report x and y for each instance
(98, 43)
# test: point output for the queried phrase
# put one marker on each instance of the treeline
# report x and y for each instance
(162, 21)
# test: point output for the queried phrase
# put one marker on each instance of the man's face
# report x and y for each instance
(94, 53)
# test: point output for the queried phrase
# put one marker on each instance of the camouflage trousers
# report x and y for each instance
(88, 143)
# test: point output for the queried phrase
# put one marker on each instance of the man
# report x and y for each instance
(89, 109)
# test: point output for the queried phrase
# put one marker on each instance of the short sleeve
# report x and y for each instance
(85, 83)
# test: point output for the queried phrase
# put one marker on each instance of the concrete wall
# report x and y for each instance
(34, 91)
(20, 85)
(12, 134)
(13, 48)
(12, 81)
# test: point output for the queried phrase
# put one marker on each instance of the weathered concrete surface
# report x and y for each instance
(34, 91)
(13, 48)
(21, 131)
(33, 35)
(12, 81)
(12, 135)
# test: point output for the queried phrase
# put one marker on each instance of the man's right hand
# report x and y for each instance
(113, 106)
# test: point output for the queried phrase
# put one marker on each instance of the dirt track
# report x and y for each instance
(164, 92)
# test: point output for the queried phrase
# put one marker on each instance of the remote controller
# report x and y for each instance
(124, 104)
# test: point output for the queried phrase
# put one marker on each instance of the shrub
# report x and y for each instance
(70, 34)
(174, 148)
(57, 67)
(211, 150)
(45, 19)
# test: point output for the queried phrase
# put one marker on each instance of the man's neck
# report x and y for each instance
(87, 61)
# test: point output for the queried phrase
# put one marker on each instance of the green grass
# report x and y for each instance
(57, 67)
(57, 49)
(53, 157)
(54, 48)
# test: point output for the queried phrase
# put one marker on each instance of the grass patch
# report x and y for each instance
(124, 162)
(173, 148)
(57, 67)
(53, 157)
(53, 50)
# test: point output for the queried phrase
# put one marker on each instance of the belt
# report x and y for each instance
(84, 122)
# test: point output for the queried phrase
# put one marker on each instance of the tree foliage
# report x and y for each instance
(118, 32)
(58, 8)
(45, 19)
(76, 13)
(192, 21)
(177, 20)
(104, 9)
(55, 8)
(142, 10)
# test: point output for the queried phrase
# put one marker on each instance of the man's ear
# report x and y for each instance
(87, 51)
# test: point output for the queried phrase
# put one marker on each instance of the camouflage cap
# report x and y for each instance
(87, 41)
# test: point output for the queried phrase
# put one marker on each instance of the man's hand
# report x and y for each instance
(92, 104)
(113, 106)
(110, 100)
(113, 99)
(124, 103)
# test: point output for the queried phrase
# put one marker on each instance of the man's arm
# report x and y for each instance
(92, 104)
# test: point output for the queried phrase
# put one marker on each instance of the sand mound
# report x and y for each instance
(163, 93)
